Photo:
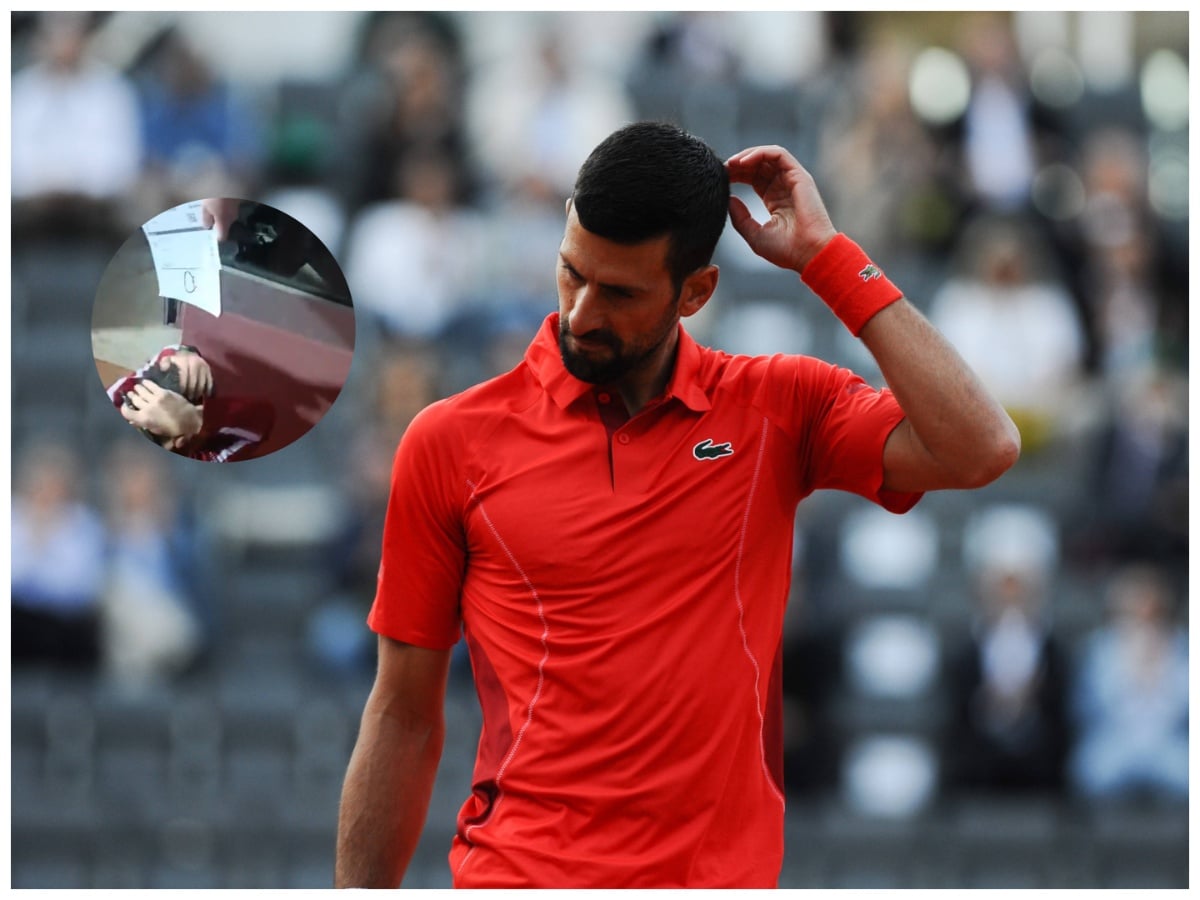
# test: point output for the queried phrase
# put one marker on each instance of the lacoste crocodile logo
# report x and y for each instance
(706, 449)
(870, 271)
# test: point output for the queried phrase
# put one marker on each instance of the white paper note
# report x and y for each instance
(186, 259)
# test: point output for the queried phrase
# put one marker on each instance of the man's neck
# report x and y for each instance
(647, 383)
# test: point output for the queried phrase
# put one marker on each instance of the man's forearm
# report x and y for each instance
(385, 797)
(950, 416)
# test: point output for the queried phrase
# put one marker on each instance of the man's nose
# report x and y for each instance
(586, 315)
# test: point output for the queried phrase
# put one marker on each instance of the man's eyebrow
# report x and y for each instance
(619, 288)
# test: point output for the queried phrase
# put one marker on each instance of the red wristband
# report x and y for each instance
(851, 285)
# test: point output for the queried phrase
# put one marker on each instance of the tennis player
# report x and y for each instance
(609, 528)
(171, 399)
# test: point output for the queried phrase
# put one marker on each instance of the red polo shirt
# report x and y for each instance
(622, 596)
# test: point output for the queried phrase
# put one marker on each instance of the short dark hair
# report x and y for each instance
(652, 178)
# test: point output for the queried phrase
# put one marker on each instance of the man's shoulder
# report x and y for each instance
(732, 372)
(472, 409)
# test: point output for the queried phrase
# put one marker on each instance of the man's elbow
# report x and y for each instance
(994, 457)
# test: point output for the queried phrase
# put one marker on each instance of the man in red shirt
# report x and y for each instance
(171, 400)
(609, 526)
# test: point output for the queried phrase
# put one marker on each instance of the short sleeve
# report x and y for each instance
(848, 428)
(424, 548)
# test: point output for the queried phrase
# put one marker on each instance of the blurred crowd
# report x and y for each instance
(1021, 177)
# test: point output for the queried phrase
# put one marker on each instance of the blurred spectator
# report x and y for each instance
(877, 165)
(405, 97)
(1119, 267)
(1008, 726)
(198, 138)
(1136, 504)
(74, 129)
(998, 141)
(537, 113)
(692, 47)
(1015, 325)
(154, 624)
(414, 261)
(57, 561)
(1130, 699)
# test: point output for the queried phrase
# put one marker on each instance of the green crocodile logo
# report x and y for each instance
(706, 449)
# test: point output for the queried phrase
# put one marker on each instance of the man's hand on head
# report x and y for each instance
(799, 224)
(163, 413)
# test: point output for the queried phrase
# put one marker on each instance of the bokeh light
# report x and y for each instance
(939, 86)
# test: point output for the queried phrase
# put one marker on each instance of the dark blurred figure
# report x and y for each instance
(75, 133)
(998, 141)
(1136, 505)
(1121, 272)
(58, 566)
(157, 612)
(198, 137)
(404, 97)
(1008, 681)
(1130, 697)
(691, 47)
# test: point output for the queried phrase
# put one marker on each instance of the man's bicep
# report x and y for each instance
(410, 684)
(907, 466)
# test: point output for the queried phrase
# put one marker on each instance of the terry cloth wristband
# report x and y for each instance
(851, 285)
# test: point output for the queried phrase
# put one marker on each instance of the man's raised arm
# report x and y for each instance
(393, 767)
(955, 434)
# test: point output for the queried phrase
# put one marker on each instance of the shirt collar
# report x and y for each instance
(545, 361)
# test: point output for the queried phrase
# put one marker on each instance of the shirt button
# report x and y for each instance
(603, 398)
(623, 438)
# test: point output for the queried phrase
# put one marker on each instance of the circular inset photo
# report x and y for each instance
(223, 330)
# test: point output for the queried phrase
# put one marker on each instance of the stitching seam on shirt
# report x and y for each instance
(541, 679)
(737, 596)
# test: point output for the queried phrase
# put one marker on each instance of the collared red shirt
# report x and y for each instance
(621, 590)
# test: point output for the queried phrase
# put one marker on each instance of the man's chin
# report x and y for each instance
(592, 371)
(605, 366)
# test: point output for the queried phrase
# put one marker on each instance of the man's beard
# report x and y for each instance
(623, 359)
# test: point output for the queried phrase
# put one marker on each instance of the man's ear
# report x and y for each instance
(570, 202)
(697, 289)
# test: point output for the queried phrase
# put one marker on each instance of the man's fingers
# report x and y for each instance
(218, 213)
(203, 379)
(741, 219)
(759, 162)
(188, 379)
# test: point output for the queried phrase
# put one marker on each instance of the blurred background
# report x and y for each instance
(988, 692)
